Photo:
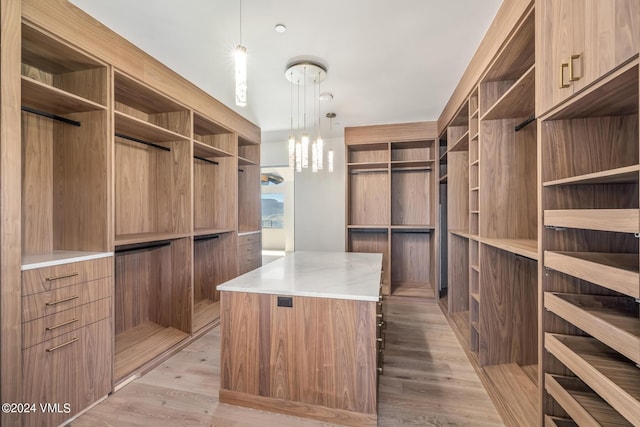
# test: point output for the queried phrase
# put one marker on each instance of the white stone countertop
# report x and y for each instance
(30, 262)
(340, 275)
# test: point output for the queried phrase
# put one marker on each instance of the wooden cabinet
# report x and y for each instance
(249, 252)
(67, 338)
(391, 203)
(581, 41)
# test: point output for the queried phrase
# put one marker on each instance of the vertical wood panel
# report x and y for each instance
(10, 209)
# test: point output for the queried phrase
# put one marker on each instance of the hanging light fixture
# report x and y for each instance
(241, 69)
(305, 74)
(330, 116)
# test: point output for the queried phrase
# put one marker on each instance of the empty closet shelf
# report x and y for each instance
(618, 220)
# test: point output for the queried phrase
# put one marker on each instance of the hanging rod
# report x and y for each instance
(368, 230)
(526, 122)
(142, 246)
(412, 230)
(357, 171)
(140, 141)
(206, 237)
(50, 116)
(240, 170)
(411, 169)
(213, 162)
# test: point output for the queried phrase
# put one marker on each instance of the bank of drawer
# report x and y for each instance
(47, 303)
(74, 368)
(249, 239)
(54, 325)
(58, 276)
(247, 264)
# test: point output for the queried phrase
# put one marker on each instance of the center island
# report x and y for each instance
(300, 336)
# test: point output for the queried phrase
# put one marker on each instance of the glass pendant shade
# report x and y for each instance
(241, 75)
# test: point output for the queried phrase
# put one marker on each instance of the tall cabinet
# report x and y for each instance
(136, 189)
(391, 203)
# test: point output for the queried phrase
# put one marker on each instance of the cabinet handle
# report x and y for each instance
(572, 78)
(59, 325)
(50, 303)
(49, 350)
(562, 67)
(64, 276)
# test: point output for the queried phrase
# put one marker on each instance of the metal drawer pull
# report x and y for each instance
(49, 350)
(64, 276)
(572, 78)
(50, 303)
(562, 67)
(59, 325)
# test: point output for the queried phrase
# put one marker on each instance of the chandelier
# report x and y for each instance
(306, 76)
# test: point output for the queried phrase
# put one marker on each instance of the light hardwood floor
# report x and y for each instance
(427, 381)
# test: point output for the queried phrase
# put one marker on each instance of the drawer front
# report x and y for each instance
(250, 251)
(63, 322)
(249, 239)
(61, 299)
(58, 276)
(246, 264)
(73, 369)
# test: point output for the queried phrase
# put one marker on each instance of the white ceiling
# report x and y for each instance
(388, 61)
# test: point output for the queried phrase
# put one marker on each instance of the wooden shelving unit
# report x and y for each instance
(391, 208)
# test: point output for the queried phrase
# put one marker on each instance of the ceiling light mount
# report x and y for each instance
(280, 28)
(305, 73)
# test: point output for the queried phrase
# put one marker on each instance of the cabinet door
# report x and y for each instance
(610, 38)
(555, 30)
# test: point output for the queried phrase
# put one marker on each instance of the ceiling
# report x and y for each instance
(388, 61)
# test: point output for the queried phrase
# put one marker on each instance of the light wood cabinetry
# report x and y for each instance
(581, 41)
(392, 203)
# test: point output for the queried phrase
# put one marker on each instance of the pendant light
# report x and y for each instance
(241, 69)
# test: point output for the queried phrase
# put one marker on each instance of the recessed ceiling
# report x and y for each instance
(388, 62)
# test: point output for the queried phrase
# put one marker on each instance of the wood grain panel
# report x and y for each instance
(411, 253)
(369, 198)
(283, 360)
(411, 197)
(10, 209)
(78, 373)
(249, 204)
(214, 263)
(458, 292)
(389, 133)
(458, 191)
(89, 83)
(373, 241)
(508, 315)
(214, 206)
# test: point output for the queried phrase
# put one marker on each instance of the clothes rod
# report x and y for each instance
(357, 171)
(411, 230)
(368, 230)
(526, 122)
(411, 169)
(50, 116)
(206, 237)
(140, 141)
(240, 170)
(213, 162)
(142, 246)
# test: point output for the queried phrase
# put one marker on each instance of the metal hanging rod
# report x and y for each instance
(368, 230)
(206, 237)
(526, 122)
(410, 169)
(142, 246)
(358, 171)
(411, 230)
(213, 162)
(50, 116)
(140, 141)
(240, 170)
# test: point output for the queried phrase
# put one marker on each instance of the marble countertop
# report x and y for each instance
(30, 262)
(341, 275)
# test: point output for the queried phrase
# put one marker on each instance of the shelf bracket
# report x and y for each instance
(50, 116)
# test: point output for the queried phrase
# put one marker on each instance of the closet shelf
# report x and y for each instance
(412, 164)
(617, 220)
(475, 268)
(610, 375)
(412, 227)
(443, 179)
(53, 100)
(527, 248)
(613, 320)
(140, 129)
(558, 422)
(380, 166)
(460, 233)
(242, 161)
(130, 239)
(517, 102)
(462, 144)
(581, 403)
(476, 297)
(616, 271)
(207, 151)
(206, 231)
(204, 312)
(627, 174)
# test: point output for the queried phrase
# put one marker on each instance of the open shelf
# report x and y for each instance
(47, 98)
(460, 233)
(443, 179)
(617, 220)
(208, 133)
(135, 238)
(211, 231)
(558, 422)
(408, 165)
(374, 166)
(205, 311)
(475, 297)
(610, 375)
(527, 248)
(612, 320)
(208, 152)
(461, 144)
(140, 129)
(518, 393)
(245, 162)
(615, 271)
(132, 349)
(581, 403)
(623, 175)
(517, 101)
(411, 151)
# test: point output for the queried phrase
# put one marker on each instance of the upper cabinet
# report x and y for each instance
(582, 41)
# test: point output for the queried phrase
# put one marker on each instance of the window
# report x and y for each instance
(273, 210)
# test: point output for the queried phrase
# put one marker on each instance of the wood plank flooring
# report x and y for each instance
(427, 381)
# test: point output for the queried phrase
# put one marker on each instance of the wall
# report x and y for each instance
(319, 197)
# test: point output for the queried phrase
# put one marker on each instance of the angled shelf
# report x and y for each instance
(517, 101)
(583, 405)
(527, 248)
(615, 271)
(41, 96)
(612, 320)
(617, 220)
(610, 375)
(622, 175)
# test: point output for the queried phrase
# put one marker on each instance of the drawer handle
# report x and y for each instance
(50, 303)
(562, 67)
(60, 325)
(64, 276)
(572, 77)
(49, 350)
